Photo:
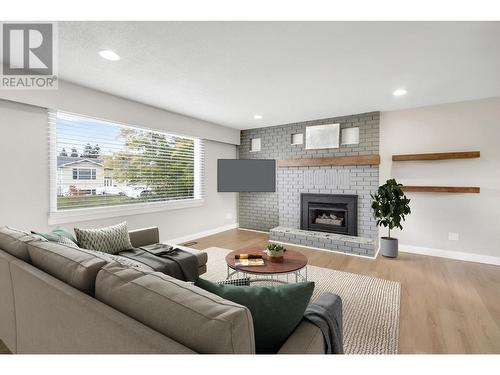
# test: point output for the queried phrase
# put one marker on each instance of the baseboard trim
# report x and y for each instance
(449, 254)
(254, 230)
(194, 236)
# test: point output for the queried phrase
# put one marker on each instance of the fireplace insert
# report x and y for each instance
(333, 213)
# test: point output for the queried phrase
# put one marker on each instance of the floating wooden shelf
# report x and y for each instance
(438, 156)
(442, 189)
(340, 160)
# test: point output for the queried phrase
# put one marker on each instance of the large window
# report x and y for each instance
(100, 164)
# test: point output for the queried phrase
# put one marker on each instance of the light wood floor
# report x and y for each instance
(447, 306)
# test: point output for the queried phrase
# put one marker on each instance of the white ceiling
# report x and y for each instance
(226, 72)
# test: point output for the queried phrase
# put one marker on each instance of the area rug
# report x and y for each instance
(370, 305)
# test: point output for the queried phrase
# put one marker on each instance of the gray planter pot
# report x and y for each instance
(389, 247)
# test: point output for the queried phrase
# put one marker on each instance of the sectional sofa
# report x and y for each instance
(57, 299)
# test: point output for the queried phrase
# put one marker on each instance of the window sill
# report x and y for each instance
(87, 214)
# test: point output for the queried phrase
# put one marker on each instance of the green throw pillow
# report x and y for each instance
(110, 240)
(276, 310)
(56, 234)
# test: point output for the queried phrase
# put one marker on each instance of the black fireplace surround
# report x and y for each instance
(333, 213)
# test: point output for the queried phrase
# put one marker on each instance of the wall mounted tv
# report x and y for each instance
(245, 175)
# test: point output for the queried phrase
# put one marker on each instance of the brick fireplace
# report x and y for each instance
(281, 212)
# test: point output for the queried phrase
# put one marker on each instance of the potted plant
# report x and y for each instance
(390, 206)
(275, 252)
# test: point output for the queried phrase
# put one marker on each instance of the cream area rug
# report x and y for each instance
(370, 305)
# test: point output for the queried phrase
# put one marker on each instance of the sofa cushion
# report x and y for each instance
(276, 310)
(15, 242)
(109, 258)
(192, 316)
(76, 267)
(112, 239)
(124, 261)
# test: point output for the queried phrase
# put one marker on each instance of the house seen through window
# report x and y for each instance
(101, 163)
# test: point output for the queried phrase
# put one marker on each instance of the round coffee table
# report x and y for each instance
(294, 265)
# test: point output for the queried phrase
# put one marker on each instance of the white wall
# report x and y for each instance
(84, 101)
(472, 125)
(24, 183)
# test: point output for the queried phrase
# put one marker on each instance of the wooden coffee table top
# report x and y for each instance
(292, 261)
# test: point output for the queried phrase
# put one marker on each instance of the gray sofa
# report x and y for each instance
(56, 299)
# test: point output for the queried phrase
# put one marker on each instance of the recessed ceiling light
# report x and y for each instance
(399, 92)
(257, 117)
(109, 55)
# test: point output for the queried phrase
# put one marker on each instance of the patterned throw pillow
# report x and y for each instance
(67, 242)
(244, 281)
(110, 240)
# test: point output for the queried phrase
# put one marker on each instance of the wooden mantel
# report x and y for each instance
(441, 189)
(438, 156)
(339, 160)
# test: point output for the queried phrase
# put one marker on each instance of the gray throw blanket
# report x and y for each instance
(179, 264)
(326, 313)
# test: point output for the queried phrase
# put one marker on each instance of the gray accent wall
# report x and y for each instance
(264, 211)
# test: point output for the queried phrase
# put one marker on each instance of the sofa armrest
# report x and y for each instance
(201, 257)
(306, 339)
(144, 237)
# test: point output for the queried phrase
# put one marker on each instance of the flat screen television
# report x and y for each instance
(246, 175)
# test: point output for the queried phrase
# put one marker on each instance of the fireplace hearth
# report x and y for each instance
(332, 213)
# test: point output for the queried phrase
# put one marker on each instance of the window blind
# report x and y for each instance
(96, 163)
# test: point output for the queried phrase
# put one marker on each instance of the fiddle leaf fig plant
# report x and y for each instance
(390, 205)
